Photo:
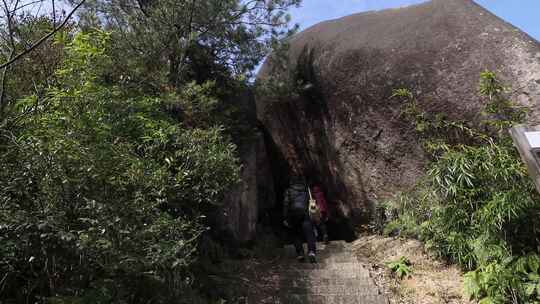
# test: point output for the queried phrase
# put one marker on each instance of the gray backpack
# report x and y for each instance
(298, 197)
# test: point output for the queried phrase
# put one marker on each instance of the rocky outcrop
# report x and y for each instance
(248, 202)
(252, 197)
(347, 131)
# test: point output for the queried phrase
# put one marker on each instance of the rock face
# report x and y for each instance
(252, 197)
(350, 134)
(246, 204)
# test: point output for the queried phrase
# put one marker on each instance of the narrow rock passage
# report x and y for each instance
(338, 278)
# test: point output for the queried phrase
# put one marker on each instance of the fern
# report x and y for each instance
(472, 285)
(401, 267)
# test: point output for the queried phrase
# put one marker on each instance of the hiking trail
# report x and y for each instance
(338, 277)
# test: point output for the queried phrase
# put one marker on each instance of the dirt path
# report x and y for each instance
(432, 281)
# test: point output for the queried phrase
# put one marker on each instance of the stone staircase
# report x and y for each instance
(338, 277)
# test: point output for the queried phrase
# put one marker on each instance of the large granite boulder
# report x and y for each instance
(349, 133)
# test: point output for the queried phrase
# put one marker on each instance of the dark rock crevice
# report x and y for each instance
(317, 166)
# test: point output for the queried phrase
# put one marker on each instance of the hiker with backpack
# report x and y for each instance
(320, 199)
(297, 219)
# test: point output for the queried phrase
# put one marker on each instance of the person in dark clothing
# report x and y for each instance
(296, 218)
(319, 197)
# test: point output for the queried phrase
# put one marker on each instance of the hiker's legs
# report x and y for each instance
(298, 244)
(296, 230)
(324, 231)
(307, 226)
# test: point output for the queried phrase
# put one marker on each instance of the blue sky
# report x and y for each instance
(522, 13)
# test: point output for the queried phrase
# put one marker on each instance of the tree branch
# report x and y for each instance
(9, 17)
(43, 39)
(3, 87)
(53, 13)
(13, 11)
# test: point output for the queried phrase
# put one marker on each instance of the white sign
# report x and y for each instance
(527, 141)
(533, 138)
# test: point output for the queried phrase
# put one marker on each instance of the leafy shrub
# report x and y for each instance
(102, 194)
(476, 206)
(515, 280)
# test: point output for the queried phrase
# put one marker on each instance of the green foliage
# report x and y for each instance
(501, 112)
(403, 92)
(512, 280)
(102, 193)
(168, 43)
(477, 206)
(116, 148)
(400, 267)
(290, 79)
(421, 121)
(34, 73)
(405, 213)
(430, 126)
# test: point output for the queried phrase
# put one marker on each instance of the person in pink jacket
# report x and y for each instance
(319, 197)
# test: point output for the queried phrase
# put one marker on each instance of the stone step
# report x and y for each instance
(335, 259)
(336, 289)
(336, 246)
(322, 274)
(338, 277)
(332, 299)
(325, 281)
(321, 256)
(328, 255)
(321, 268)
(332, 244)
(328, 266)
